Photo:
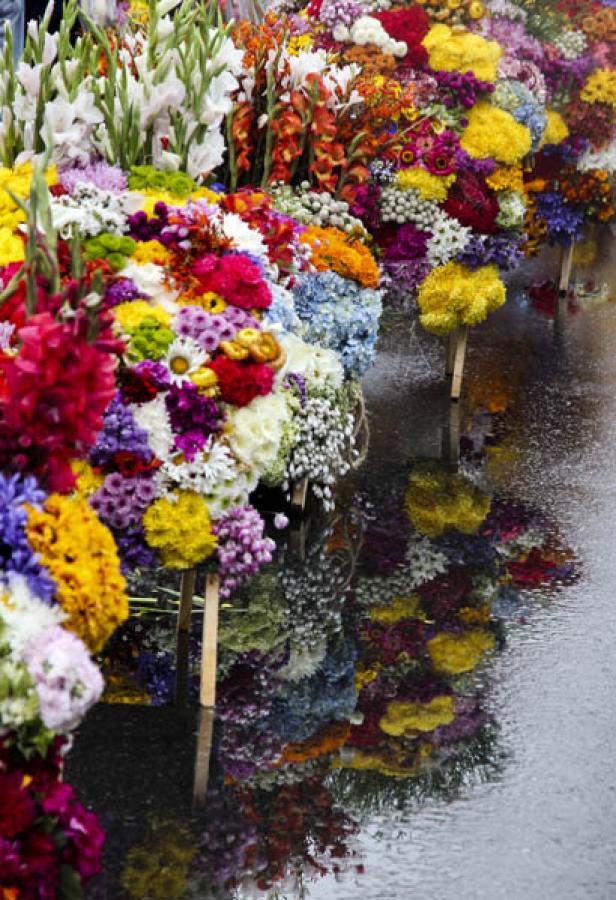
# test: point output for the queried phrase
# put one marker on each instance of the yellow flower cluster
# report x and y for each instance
(129, 316)
(556, 130)
(210, 302)
(454, 295)
(601, 87)
(158, 868)
(394, 763)
(151, 252)
(455, 654)
(462, 51)
(298, 43)
(333, 249)
(17, 181)
(401, 717)
(81, 556)
(399, 608)
(152, 196)
(430, 187)
(506, 178)
(88, 481)
(180, 530)
(438, 501)
(493, 132)
(11, 246)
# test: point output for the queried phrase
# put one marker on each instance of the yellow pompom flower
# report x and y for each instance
(437, 501)
(153, 196)
(401, 717)
(455, 654)
(556, 130)
(88, 481)
(454, 295)
(600, 87)
(506, 178)
(11, 247)
(335, 250)
(151, 252)
(81, 556)
(180, 530)
(462, 51)
(129, 316)
(493, 132)
(430, 187)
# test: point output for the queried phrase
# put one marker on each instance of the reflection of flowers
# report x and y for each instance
(455, 654)
(158, 868)
(438, 501)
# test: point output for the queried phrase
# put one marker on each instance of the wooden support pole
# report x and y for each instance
(298, 498)
(202, 757)
(450, 353)
(187, 590)
(458, 368)
(565, 268)
(209, 649)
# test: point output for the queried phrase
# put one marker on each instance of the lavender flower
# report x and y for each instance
(242, 548)
(134, 552)
(16, 555)
(120, 434)
(503, 250)
(192, 416)
(120, 502)
(122, 291)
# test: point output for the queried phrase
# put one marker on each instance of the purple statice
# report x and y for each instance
(144, 228)
(340, 12)
(294, 379)
(16, 555)
(156, 674)
(461, 89)
(122, 291)
(565, 222)
(193, 418)
(503, 250)
(242, 547)
(121, 501)
(134, 552)
(401, 279)
(408, 243)
(570, 72)
(100, 174)
(120, 434)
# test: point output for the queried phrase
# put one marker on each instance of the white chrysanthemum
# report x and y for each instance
(93, 211)
(448, 240)
(210, 469)
(154, 419)
(317, 365)
(150, 280)
(23, 616)
(255, 431)
(244, 238)
(184, 357)
(571, 44)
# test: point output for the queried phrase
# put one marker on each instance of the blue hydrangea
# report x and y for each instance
(282, 311)
(340, 315)
(16, 554)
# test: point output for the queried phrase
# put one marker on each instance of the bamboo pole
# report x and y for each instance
(565, 267)
(187, 590)
(209, 647)
(300, 491)
(458, 368)
(203, 754)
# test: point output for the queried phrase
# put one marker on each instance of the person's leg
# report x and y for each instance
(12, 11)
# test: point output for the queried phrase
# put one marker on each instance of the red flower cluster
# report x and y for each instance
(472, 203)
(235, 278)
(411, 25)
(241, 382)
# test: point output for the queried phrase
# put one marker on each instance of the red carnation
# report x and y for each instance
(473, 204)
(410, 25)
(239, 382)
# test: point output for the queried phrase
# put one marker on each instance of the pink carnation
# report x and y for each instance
(234, 277)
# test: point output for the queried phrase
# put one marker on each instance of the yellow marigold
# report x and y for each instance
(334, 250)
(454, 295)
(88, 481)
(506, 178)
(81, 556)
(454, 654)
(431, 187)
(11, 246)
(399, 608)
(462, 51)
(494, 133)
(130, 315)
(210, 301)
(151, 252)
(556, 130)
(180, 530)
(438, 501)
(600, 87)
(401, 717)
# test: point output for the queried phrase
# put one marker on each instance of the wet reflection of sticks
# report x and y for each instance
(565, 267)
(187, 590)
(202, 758)
(451, 435)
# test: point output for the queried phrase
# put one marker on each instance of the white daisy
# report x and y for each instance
(184, 357)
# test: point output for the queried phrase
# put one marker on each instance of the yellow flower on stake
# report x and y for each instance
(454, 295)
(180, 529)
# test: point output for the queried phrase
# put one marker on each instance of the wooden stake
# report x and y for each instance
(209, 649)
(202, 758)
(187, 590)
(458, 368)
(182, 667)
(566, 266)
(298, 498)
(450, 353)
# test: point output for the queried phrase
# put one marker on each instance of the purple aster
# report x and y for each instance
(193, 416)
(120, 434)
(121, 502)
(100, 174)
(122, 291)
(134, 552)
(16, 555)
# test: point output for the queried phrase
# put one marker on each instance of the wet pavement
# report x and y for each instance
(417, 698)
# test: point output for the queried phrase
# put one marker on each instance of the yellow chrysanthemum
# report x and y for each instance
(401, 717)
(81, 557)
(335, 250)
(556, 130)
(180, 530)
(17, 181)
(210, 302)
(438, 501)
(129, 316)
(494, 133)
(151, 252)
(11, 246)
(463, 51)
(430, 187)
(455, 654)
(600, 87)
(365, 676)
(506, 178)
(454, 295)
(88, 481)
(152, 197)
